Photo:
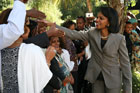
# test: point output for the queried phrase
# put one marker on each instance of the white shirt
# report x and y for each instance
(10, 32)
(138, 27)
(66, 57)
(87, 52)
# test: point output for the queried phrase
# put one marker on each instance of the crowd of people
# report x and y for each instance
(89, 56)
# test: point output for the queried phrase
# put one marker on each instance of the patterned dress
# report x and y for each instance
(9, 70)
(64, 67)
(135, 38)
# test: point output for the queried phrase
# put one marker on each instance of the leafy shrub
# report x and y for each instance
(136, 82)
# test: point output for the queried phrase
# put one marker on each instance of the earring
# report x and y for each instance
(107, 26)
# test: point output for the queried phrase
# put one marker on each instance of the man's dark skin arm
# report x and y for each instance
(35, 14)
(41, 40)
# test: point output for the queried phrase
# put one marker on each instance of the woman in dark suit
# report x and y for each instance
(109, 66)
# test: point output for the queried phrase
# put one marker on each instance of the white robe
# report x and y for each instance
(33, 71)
(10, 32)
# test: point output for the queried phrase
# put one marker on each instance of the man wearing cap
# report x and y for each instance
(135, 24)
(135, 39)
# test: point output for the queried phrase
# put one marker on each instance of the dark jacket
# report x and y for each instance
(128, 43)
(40, 40)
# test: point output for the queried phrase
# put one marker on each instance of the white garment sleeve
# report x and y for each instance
(10, 32)
(66, 57)
(33, 71)
(87, 52)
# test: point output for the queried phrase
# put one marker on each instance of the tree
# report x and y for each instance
(37, 3)
(4, 3)
(73, 10)
(49, 7)
(89, 5)
(66, 2)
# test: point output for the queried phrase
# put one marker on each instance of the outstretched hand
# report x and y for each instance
(53, 31)
(36, 14)
(46, 23)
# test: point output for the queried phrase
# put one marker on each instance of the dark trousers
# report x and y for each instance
(54, 83)
(81, 74)
(75, 76)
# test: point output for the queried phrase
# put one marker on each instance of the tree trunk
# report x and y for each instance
(120, 8)
(89, 5)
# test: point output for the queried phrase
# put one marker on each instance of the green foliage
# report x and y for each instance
(53, 13)
(4, 4)
(36, 3)
(78, 8)
(136, 82)
(50, 9)
(135, 12)
(133, 2)
(98, 2)
(73, 10)
(96, 7)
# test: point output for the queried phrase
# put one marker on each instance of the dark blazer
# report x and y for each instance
(112, 60)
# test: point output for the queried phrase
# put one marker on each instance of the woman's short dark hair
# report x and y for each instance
(113, 19)
(68, 23)
(82, 17)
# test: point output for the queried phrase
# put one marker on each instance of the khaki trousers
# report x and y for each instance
(100, 87)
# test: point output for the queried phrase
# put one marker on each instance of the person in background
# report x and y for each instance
(64, 66)
(109, 66)
(135, 38)
(80, 47)
(70, 46)
(79, 44)
(129, 44)
(68, 43)
(135, 25)
(14, 29)
(90, 21)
